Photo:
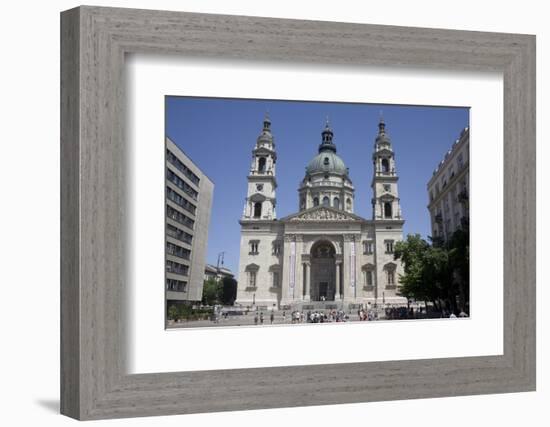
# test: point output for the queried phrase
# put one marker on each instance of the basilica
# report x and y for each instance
(324, 253)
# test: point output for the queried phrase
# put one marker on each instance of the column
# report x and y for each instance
(307, 286)
(285, 271)
(299, 275)
(337, 294)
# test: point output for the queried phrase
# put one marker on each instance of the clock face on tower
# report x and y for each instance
(259, 187)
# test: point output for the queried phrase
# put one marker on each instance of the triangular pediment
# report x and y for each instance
(322, 213)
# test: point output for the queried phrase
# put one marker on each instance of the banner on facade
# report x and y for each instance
(292, 265)
(352, 265)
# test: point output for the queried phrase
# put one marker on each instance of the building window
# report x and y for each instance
(325, 161)
(176, 285)
(431, 196)
(179, 200)
(178, 234)
(389, 246)
(261, 165)
(387, 210)
(389, 270)
(387, 187)
(252, 271)
(368, 275)
(177, 268)
(385, 166)
(460, 161)
(315, 201)
(348, 204)
(276, 248)
(254, 247)
(336, 203)
(391, 277)
(172, 177)
(368, 278)
(178, 251)
(257, 210)
(368, 247)
(326, 201)
(171, 157)
(275, 279)
(252, 279)
(179, 217)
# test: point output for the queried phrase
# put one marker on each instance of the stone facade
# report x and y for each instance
(448, 189)
(324, 252)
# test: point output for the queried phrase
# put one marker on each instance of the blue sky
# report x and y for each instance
(219, 135)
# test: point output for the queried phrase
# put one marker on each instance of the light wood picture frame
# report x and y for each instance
(94, 42)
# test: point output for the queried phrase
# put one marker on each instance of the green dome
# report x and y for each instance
(327, 161)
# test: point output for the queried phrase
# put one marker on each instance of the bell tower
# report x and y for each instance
(385, 201)
(260, 199)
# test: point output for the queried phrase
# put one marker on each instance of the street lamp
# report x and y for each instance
(220, 258)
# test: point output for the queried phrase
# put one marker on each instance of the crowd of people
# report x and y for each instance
(334, 315)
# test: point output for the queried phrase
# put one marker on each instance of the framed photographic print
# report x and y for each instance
(268, 209)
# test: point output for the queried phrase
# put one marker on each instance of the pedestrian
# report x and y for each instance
(284, 316)
(262, 318)
(271, 317)
(256, 319)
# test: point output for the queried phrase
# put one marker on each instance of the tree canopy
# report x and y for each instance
(437, 272)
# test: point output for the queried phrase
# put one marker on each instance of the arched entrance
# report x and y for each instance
(323, 271)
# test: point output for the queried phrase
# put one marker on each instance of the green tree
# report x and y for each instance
(229, 291)
(412, 253)
(459, 258)
(428, 272)
(212, 292)
(173, 312)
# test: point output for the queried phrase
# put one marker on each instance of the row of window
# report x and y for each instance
(176, 268)
(179, 234)
(448, 177)
(368, 278)
(172, 177)
(368, 247)
(335, 202)
(176, 285)
(179, 217)
(252, 275)
(180, 200)
(177, 251)
(171, 157)
(254, 247)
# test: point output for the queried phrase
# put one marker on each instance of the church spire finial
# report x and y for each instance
(327, 135)
(381, 124)
(267, 121)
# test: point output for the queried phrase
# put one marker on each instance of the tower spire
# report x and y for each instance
(267, 121)
(381, 124)
(326, 141)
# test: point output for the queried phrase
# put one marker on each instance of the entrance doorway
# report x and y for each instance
(323, 271)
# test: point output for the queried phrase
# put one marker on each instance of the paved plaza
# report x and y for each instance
(248, 320)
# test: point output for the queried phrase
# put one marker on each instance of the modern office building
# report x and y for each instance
(324, 254)
(188, 203)
(448, 190)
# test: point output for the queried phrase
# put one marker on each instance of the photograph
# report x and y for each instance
(289, 212)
